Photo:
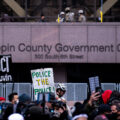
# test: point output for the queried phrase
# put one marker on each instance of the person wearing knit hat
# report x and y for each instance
(80, 117)
(104, 109)
(2, 99)
(106, 96)
(24, 101)
(101, 117)
(24, 98)
(15, 116)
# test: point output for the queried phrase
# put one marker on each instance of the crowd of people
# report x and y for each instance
(64, 16)
(69, 16)
(102, 105)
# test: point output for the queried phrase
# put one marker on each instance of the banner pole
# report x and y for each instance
(101, 12)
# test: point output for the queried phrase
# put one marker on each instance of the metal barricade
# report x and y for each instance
(9, 87)
(20, 88)
(2, 90)
(119, 87)
(80, 91)
(75, 91)
(108, 86)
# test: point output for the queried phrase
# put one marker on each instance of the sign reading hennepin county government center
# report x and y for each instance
(59, 47)
(44, 51)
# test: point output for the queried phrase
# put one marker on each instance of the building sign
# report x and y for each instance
(64, 43)
(5, 72)
(43, 81)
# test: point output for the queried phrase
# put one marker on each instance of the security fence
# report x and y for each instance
(75, 91)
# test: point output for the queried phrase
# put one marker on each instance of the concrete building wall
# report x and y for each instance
(61, 43)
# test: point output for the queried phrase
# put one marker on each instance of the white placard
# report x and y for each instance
(43, 81)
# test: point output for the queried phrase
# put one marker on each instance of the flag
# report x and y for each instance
(101, 16)
(101, 12)
(58, 20)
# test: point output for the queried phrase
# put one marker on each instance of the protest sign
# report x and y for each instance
(94, 84)
(43, 81)
(5, 63)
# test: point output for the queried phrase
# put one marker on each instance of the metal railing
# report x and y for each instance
(53, 19)
(75, 91)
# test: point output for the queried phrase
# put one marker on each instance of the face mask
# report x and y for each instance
(17, 101)
(112, 116)
(115, 115)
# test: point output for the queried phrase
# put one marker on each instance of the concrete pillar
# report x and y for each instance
(106, 6)
(15, 7)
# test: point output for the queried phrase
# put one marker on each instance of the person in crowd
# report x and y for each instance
(90, 105)
(23, 105)
(42, 18)
(114, 108)
(2, 99)
(101, 117)
(15, 116)
(106, 96)
(11, 108)
(61, 109)
(115, 97)
(24, 98)
(60, 92)
(57, 109)
(81, 16)
(103, 100)
(36, 113)
(118, 113)
(78, 112)
(6, 18)
(61, 17)
(69, 16)
(80, 117)
(77, 109)
(13, 98)
(52, 100)
(104, 111)
(43, 109)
